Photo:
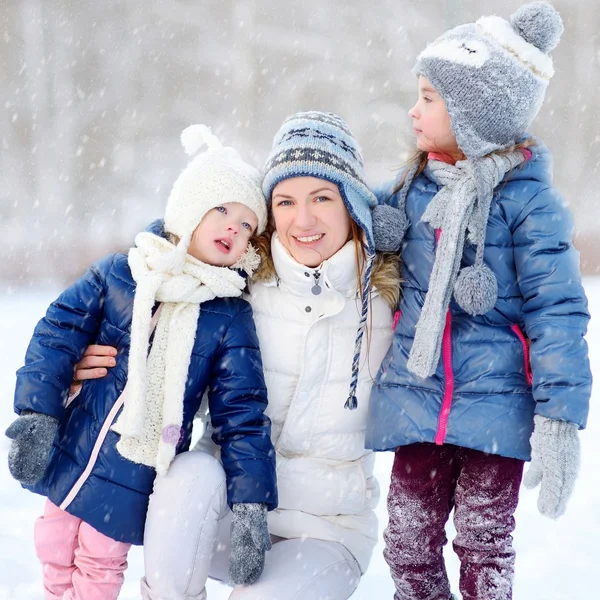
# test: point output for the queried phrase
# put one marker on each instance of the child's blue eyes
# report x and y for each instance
(245, 225)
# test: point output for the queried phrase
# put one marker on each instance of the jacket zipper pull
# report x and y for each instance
(316, 288)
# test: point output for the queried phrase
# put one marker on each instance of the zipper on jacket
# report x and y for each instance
(440, 435)
(112, 414)
(449, 381)
(525, 344)
(95, 452)
(316, 288)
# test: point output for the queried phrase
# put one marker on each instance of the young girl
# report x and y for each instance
(179, 297)
(488, 367)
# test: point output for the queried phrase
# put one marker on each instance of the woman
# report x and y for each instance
(320, 285)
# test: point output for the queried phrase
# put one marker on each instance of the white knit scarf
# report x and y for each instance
(151, 422)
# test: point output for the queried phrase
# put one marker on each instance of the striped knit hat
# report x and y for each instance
(318, 144)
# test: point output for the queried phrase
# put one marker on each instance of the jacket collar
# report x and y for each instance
(337, 273)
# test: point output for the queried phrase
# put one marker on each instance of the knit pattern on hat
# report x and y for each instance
(319, 144)
(460, 209)
(493, 75)
(212, 178)
(150, 424)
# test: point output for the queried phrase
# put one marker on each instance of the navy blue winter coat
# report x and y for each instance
(114, 492)
(527, 355)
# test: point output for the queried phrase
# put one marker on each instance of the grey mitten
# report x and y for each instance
(389, 226)
(250, 540)
(554, 463)
(32, 436)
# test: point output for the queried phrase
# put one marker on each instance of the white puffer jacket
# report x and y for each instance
(324, 474)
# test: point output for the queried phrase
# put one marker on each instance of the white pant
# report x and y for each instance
(187, 541)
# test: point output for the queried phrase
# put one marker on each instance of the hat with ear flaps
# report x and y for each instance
(492, 75)
(212, 178)
(320, 144)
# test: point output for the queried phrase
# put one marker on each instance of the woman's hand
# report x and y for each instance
(95, 364)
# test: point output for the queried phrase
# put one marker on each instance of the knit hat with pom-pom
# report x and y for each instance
(493, 75)
(213, 177)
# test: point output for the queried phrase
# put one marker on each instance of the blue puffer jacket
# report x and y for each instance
(527, 355)
(110, 492)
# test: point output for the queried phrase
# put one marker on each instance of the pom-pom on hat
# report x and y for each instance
(493, 75)
(214, 177)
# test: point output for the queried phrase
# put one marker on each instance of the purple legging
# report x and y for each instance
(427, 482)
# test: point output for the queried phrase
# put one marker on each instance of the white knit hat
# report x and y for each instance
(214, 177)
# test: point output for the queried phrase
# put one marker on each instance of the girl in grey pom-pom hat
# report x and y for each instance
(489, 367)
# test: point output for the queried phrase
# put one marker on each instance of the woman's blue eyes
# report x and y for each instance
(290, 202)
(221, 209)
(247, 226)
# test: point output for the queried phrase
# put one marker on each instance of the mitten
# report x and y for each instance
(32, 436)
(250, 540)
(554, 463)
(389, 226)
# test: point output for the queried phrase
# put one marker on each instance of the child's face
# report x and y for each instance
(431, 122)
(223, 234)
(311, 218)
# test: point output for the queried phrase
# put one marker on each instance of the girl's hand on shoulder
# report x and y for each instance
(95, 363)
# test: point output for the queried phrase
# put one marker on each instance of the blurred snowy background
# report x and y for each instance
(95, 94)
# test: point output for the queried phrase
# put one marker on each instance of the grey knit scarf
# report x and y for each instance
(460, 209)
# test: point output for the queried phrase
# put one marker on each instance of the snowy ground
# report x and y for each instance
(556, 560)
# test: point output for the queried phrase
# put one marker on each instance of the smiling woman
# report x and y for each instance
(311, 219)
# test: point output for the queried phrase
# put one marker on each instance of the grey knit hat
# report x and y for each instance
(493, 75)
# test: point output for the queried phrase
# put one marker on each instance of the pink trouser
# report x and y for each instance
(427, 482)
(78, 562)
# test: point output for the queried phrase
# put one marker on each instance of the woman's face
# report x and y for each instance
(311, 219)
